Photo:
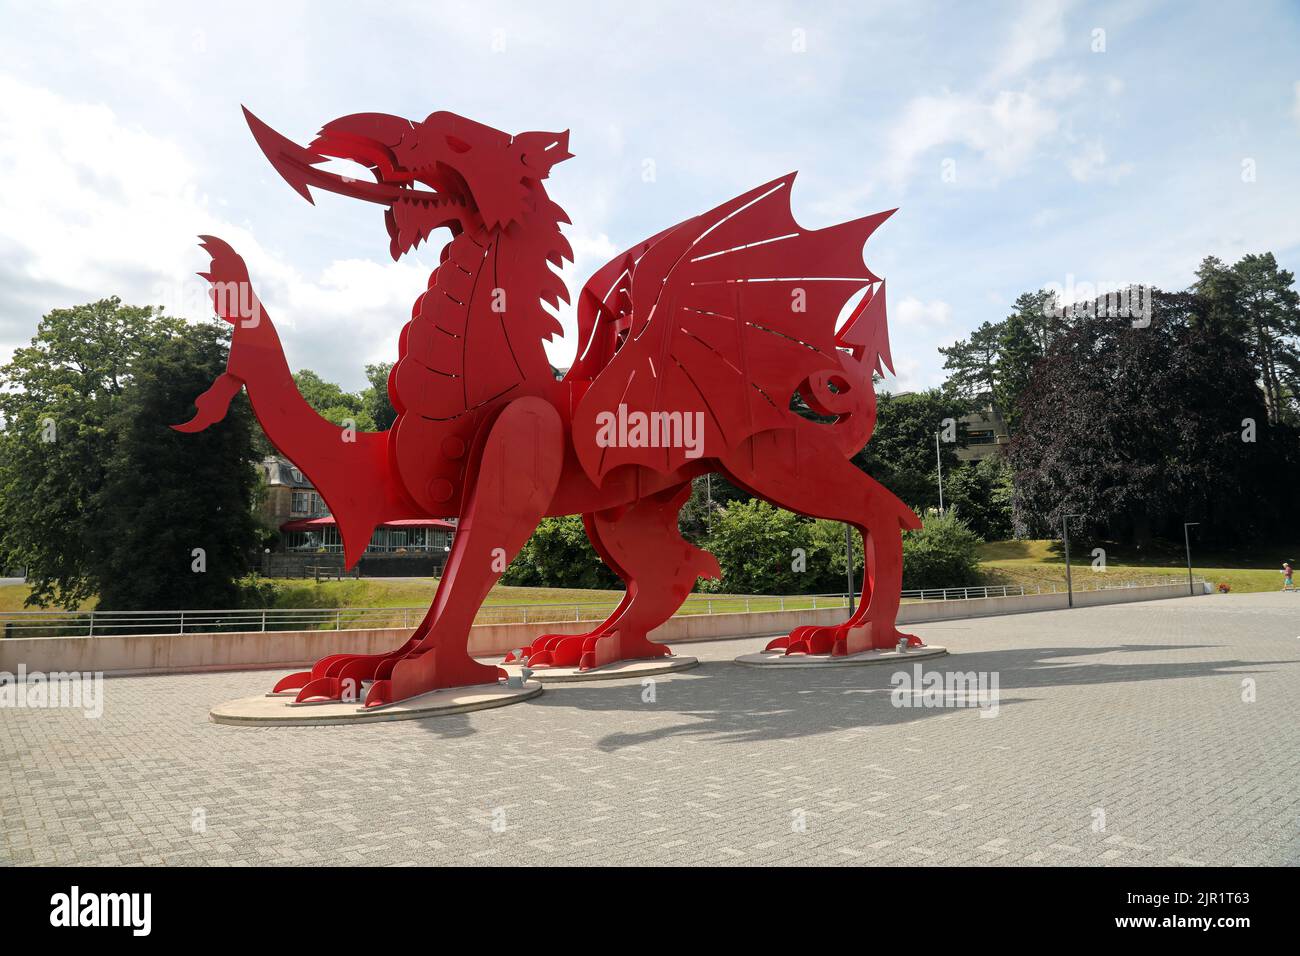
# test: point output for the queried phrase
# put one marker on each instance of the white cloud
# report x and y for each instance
(1295, 108)
(916, 315)
(1045, 217)
(86, 198)
(103, 208)
(1037, 35)
(1088, 162)
(1003, 130)
(916, 328)
(1006, 117)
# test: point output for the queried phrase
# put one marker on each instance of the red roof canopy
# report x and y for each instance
(327, 521)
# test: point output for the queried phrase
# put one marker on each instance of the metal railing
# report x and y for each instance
(104, 623)
(1020, 590)
(100, 623)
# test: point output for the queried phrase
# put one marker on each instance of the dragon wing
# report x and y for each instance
(605, 310)
(727, 314)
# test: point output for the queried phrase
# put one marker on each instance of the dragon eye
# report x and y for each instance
(457, 145)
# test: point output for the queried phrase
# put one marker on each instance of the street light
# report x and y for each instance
(938, 459)
(1065, 535)
(848, 556)
(708, 506)
(1187, 542)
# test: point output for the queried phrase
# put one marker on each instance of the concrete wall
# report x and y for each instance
(279, 650)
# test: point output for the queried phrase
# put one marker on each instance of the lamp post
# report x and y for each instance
(1065, 536)
(708, 505)
(938, 460)
(848, 560)
(1187, 543)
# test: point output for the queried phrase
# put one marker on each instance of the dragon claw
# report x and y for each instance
(834, 639)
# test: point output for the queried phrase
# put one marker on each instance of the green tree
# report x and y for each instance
(761, 550)
(827, 556)
(1018, 352)
(374, 399)
(709, 494)
(972, 364)
(332, 402)
(993, 365)
(58, 396)
(558, 555)
(173, 521)
(1218, 303)
(981, 492)
(944, 553)
(901, 453)
(1141, 429)
(1272, 308)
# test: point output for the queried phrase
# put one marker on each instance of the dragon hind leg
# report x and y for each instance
(511, 483)
(829, 486)
(642, 544)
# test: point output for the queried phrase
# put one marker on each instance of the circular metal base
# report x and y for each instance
(781, 659)
(280, 711)
(614, 671)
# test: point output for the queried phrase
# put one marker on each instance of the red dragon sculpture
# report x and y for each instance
(715, 323)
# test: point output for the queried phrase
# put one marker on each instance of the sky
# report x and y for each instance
(1026, 144)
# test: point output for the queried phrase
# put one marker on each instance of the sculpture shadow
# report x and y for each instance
(737, 704)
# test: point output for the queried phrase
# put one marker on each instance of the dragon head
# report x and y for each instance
(446, 171)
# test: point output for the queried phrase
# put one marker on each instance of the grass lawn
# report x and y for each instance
(417, 593)
(412, 592)
(1042, 563)
(380, 592)
(13, 595)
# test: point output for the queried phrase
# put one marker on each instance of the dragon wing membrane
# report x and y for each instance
(728, 314)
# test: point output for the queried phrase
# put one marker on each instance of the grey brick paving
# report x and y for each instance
(1136, 711)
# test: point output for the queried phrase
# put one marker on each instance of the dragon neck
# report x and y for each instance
(521, 258)
(477, 333)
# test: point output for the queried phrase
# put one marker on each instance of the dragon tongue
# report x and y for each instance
(290, 160)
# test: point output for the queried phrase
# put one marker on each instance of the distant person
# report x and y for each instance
(1288, 582)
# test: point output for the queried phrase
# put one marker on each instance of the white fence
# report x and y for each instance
(103, 623)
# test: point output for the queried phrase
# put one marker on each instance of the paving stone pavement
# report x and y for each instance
(1134, 717)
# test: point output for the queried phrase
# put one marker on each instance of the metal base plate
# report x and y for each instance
(781, 659)
(280, 711)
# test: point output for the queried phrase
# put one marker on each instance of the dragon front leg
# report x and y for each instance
(233, 300)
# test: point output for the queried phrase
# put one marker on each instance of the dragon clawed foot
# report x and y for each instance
(588, 651)
(345, 678)
(840, 640)
(373, 680)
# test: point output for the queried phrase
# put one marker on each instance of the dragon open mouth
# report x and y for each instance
(412, 213)
(442, 172)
